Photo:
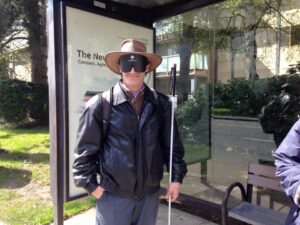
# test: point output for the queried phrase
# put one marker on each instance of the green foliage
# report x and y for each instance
(38, 103)
(236, 98)
(191, 111)
(13, 101)
(222, 95)
(192, 117)
(23, 102)
(243, 99)
(247, 97)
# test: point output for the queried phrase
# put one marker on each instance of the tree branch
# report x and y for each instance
(9, 40)
(277, 10)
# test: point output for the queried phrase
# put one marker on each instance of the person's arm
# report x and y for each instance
(179, 168)
(87, 148)
(287, 161)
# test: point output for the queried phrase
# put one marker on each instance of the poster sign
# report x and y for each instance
(89, 37)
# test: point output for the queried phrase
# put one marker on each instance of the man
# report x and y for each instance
(279, 115)
(287, 161)
(131, 156)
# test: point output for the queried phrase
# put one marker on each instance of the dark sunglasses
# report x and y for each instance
(138, 62)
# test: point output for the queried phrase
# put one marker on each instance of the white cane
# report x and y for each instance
(173, 99)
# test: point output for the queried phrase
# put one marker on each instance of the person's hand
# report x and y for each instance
(173, 191)
(297, 196)
(98, 192)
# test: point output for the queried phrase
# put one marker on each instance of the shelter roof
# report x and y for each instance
(153, 10)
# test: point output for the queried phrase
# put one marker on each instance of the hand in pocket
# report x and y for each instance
(98, 192)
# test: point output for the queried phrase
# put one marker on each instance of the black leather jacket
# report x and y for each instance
(131, 158)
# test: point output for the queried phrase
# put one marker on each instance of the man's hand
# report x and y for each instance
(173, 191)
(98, 192)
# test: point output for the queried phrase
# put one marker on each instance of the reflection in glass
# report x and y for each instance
(234, 59)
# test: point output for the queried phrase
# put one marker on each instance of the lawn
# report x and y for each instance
(25, 179)
(195, 153)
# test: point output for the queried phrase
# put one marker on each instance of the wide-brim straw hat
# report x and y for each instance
(131, 46)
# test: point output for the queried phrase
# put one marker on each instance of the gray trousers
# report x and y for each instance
(116, 210)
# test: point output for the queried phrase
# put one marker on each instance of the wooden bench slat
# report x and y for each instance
(263, 170)
(257, 215)
(272, 184)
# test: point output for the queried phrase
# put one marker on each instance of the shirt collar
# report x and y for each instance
(120, 96)
(132, 94)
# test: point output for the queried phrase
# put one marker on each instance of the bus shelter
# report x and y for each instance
(215, 71)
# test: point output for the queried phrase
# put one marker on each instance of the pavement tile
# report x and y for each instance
(177, 218)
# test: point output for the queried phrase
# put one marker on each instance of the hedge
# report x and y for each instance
(237, 98)
(23, 102)
(247, 97)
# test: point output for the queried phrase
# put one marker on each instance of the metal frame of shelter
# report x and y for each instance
(57, 81)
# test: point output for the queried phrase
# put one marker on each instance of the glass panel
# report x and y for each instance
(234, 59)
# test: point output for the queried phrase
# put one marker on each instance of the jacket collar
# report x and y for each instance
(120, 97)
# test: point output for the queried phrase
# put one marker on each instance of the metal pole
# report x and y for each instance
(173, 99)
(55, 112)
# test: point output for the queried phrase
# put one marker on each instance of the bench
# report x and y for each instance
(261, 176)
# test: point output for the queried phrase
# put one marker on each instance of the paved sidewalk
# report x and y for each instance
(178, 218)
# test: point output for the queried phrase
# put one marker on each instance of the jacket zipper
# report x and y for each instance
(136, 148)
(136, 158)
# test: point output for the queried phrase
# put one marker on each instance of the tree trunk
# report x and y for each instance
(232, 60)
(37, 40)
(38, 63)
(185, 52)
(251, 53)
(251, 46)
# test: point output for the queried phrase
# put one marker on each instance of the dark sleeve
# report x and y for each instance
(287, 161)
(268, 117)
(179, 168)
(87, 147)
